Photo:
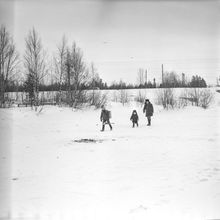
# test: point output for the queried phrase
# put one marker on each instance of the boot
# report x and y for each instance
(149, 121)
(103, 127)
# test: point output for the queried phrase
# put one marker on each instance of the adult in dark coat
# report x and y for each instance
(148, 110)
(105, 118)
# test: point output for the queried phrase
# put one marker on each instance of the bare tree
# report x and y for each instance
(77, 75)
(8, 62)
(68, 75)
(94, 76)
(34, 62)
(59, 61)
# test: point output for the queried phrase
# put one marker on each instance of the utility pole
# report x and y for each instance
(162, 76)
(146, 77)
(183, 79)
(154, 83)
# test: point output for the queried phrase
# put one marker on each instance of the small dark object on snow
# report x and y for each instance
(14, 178)
(87, 140)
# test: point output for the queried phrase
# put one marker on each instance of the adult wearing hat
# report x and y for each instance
(148, 110)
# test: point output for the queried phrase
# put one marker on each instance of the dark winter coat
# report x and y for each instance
(105, 115)
(148, 109)
(134, 118)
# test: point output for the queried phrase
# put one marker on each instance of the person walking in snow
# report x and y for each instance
(148, 110)
(134, 118)
(105, 118)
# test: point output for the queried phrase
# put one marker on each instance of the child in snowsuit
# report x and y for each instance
(134, 118)
(104, 118)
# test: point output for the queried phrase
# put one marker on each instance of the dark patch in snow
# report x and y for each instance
(88, 140)
(203, 180)
(91, 140)
(216, 169)
(14, 178)
(211, 139)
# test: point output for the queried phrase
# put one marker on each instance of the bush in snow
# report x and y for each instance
(206, 98)
(124, 97)
(74, 99)
(98, 99)
(166, 98)
(121, 96)
(183, 100)
(115, 96)
(140, 97)
(197, 96)
(194, 96)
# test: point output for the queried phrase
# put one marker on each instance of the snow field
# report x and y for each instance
(170, 170)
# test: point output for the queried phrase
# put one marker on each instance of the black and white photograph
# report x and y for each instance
(109, 110)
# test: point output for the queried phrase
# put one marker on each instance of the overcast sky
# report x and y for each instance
(122, 36)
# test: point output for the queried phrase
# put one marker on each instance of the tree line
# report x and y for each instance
(68, 72)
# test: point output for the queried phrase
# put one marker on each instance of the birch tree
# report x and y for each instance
(34, 62)
(8, 62)
(77, 74)
(59, 61)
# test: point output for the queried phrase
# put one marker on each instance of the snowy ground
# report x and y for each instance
(170, 170)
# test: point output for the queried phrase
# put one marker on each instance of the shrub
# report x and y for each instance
(194, 96)
(206, 98)
(199, 97)
(115, 96)
(166, 98)
(124, 97)
(183, 100)
(140, 97)
(97, 99)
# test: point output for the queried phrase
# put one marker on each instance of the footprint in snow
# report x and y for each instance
(138, 209)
